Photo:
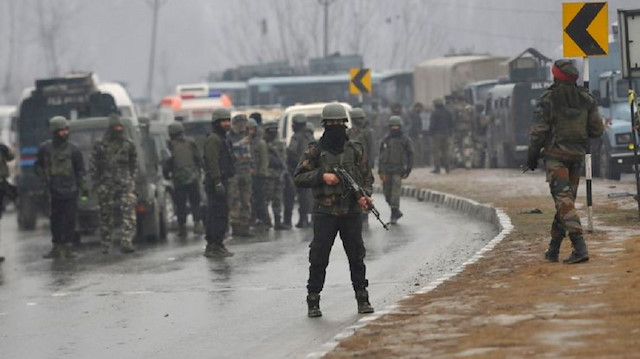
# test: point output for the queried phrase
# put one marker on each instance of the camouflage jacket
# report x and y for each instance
(333, 200)
(564, 132)
(260, 156)
(242, 153)
(396, 154)
(114, 162)
(277, 158)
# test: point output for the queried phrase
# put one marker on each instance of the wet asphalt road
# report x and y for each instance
(168, 301)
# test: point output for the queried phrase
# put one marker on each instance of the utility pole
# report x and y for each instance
(326, 4)
(155, 7)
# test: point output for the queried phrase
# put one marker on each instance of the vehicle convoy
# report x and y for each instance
(151, 207)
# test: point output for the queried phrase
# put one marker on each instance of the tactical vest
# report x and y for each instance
(337, 196)
(185, 170)
(393, 154)
(117, 153)
(60, 161)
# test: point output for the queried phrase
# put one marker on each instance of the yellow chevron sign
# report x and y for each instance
(585, 29)
(359, 81)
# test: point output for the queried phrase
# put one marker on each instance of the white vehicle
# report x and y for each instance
(313, 111)
(7, 134)
(121, 96)
(195, 102)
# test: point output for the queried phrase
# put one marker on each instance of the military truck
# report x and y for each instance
(151, 209)
(73, 96)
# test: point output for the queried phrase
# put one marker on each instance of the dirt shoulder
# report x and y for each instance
(513, 304)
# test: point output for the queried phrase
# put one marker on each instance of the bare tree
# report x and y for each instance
(52, 19)
(7, 87)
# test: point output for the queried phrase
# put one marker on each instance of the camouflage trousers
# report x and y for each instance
(117, 201)
(272, 190)
(564, 177)
(440, 151)
(463, 149)
(392, 188)
(240, 190)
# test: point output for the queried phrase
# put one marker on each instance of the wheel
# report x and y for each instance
(27, 213)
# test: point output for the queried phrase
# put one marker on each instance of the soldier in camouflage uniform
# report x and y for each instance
(462, 139)
(335, 210)
(273, 182)
(299, 141)
(184, 167)
(218, 159)
(394, 164)
(566, 117)
(60, 164)
(260, 167)
(240, 185)
(360, 132)
(114, 170)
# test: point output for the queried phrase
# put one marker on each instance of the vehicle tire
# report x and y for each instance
(606, 167)
(27, 213)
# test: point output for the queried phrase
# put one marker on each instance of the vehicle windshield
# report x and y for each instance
(622, 88)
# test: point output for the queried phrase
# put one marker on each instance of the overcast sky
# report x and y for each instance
(196, 37)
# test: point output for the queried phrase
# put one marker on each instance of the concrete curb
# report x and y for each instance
(476, 210)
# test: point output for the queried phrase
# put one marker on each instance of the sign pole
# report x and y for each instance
(587, 156)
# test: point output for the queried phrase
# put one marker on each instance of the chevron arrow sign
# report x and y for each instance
(585, 29)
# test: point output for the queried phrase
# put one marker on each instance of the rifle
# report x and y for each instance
(358, 191)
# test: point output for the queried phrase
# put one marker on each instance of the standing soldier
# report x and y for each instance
(218, 168)
(360, 132)
(335, 210)
(395, 164)
(299, 141)
(260, 166)
(184, 168)
(113, 171)
(60, 164)
(566, 116)
(440, 130)
(273, 182)
(416, 132)
(240, 185)
(6, 189)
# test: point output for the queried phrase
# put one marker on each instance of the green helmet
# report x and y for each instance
(238, 118)
(175, 128)
(114, 120)
(270, 126)
(438, 102)
(252, 123)
(395, 121)
(299, 118)
(220, 114)
(356, 113)
(334, 111)
(57, 123)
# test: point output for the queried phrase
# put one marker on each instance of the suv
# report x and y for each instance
(151, 209)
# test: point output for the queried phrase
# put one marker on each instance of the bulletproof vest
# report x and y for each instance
(392, 153)
(185, 169)
(569, 125)
(346, 160)
(60, 161)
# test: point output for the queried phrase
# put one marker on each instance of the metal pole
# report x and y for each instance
(326, 29)
(152, 54)
(587, 156)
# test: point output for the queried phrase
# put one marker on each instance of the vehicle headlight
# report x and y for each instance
(623, 138)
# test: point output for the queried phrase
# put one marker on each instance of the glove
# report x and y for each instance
(532, 162)
(219, 188)
(406, 172)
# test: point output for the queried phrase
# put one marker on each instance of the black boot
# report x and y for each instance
(580, 253)
(551, 254)
(313, 304)
(362, 297)
(277, 224)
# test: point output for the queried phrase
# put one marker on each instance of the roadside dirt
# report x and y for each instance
(513, 304)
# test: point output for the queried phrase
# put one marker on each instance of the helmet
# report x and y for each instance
(395, 121)
(299, 118)
(270, 126)
(57, 123)
(252, 123)
(356, 113)
(438, 102)
(175, 128)
(114, 120)
(256, 116)
(220, 114)
(334, 111)
(238, 118)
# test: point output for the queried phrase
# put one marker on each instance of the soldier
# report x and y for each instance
(360, 132)
(566, 116)
(299, 141)
(7, 190)
(240, 185)
(335, 210)
(462, 126)
(259, 165)
(416, 133)
(60, 164)
(218, 167)
(395, 164)
(440, 130)
(273, 182)
(184, 168)
(113, 170)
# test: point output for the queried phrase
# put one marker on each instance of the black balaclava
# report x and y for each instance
(334, 138)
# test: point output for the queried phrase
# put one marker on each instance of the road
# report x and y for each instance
(168, 301)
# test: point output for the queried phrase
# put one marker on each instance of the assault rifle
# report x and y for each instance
(351, 185)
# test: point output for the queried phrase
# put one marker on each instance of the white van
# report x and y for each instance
(121, 96)
(313, 111)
